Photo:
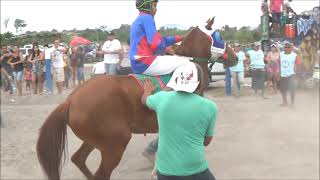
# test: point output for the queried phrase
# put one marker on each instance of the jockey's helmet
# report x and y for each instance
(144, 5)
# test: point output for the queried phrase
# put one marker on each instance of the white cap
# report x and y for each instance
(185, 78)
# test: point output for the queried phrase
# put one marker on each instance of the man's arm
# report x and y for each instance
(112, 52)
(62, 49)
(3, 56)
(211, 125)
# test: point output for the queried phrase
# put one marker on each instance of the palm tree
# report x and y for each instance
(6, 24)
(19, 24)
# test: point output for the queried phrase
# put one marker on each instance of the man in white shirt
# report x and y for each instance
(111, 50)
(57, 64)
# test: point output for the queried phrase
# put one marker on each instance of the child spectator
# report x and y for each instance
(28, 79)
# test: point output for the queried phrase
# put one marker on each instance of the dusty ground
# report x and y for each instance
(255, 139)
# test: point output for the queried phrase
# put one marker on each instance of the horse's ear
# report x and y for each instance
(212, 20)
(210, 23)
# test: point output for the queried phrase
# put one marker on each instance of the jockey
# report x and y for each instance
(147, 47)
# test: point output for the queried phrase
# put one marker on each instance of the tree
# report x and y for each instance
(6, 21)
(19, 24)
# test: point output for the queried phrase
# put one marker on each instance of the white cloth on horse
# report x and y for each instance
(165, 65)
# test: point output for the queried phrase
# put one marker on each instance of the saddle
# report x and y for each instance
(159, 81)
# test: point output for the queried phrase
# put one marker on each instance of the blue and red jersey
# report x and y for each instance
(146, 43)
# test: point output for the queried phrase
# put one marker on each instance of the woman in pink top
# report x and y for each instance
(273, 59)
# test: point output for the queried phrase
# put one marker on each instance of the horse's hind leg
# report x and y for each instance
(79, 159)
(111, 155)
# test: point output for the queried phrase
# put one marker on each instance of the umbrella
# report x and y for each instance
(78, 40)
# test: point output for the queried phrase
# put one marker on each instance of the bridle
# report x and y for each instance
(218, 45)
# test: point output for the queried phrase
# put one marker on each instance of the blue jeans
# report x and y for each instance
(48, 75)
(228, 82)
(80, 74)
(111, 69)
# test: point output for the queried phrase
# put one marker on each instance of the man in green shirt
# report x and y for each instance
(186, 124)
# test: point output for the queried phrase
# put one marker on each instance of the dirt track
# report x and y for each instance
(255, 139)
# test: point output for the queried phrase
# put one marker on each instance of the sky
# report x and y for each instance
(67, 15)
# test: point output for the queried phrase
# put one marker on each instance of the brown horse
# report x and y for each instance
(104, 112)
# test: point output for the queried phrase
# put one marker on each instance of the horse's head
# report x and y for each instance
(204, 42)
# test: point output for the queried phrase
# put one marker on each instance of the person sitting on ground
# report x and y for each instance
(186, 124)
(147, 46)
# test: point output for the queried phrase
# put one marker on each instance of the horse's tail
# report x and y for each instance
(52, 140)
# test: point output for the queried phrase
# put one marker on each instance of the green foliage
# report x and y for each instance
(231, 34)
(243, 35)
(18, 24)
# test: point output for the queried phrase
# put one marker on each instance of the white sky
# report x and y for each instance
(66, 15)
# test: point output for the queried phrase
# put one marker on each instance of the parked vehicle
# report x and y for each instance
(216, 71)
(29, 46)
(99, 69)
(24, 51)
(90, 52)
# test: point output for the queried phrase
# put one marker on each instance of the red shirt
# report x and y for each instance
(275, 6)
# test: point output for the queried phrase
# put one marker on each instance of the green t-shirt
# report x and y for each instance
(184, 120)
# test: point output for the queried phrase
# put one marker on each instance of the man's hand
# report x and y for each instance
(207, 140)
(148, 88)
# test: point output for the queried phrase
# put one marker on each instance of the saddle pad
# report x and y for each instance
(159, 81)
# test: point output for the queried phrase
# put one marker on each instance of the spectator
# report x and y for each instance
(287, 9)
(36, 59)
(48, 74)
(227, 80)
(111, 49)
(16, 63)
(80, 65)
(265, 7)
(67, 70)
(305, 48)
(288, 62)
(73, 58)
(181, 149)
(57, 64)
(273, 59)
(275, 9)
(257, 66)
(28, 78)
(6, 70)
(238, 70)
